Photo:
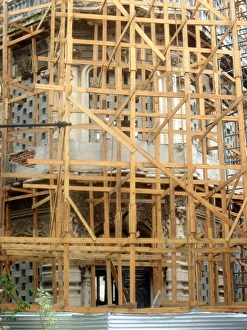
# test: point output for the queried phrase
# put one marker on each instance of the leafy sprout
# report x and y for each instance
(9, 293)
(46, 312)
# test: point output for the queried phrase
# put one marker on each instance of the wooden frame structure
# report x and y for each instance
(162, 40)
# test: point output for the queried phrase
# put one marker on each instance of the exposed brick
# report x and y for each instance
(22, 158)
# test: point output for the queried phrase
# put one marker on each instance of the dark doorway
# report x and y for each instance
(101, 288)
(143, 283)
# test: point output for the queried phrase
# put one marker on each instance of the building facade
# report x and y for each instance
(154, 149)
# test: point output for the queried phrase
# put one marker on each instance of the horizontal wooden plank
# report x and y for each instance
(127, 240)
(75, 188)
(127, 164)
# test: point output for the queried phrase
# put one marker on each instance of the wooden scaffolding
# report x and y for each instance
(159, 53)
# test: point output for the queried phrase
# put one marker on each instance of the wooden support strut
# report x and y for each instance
(170, 115)
(27, 36)
(236, 220)
(175, 35)
(139, 30)
(113, 190)
(214, 11)
(115, 49)
(120, 110)
(216, 48)
(132, 145)
(81, 218)
(224, 113)
(225, 183)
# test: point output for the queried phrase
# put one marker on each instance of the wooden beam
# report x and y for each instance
(41, 202)
(100, 122)
(216, 47)
(113, 190)
(215, 11)
(140, 31)
(27, 36)
(236, 220)
(120, 110)
(170, 115)
(225, 183)
(81, 218)
(187, 188)
(224, 113)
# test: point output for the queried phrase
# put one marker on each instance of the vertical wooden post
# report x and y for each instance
(35, 234)
(239, 85)
(68, 8)
(91, 205)
(118, 217)
(62, 147)
(4, 112)
(93, 267)
(105, 154)
(132, 205)
(190, 207)
(156, 212)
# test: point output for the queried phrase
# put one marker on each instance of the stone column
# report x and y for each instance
(182, 269)
(86, 288)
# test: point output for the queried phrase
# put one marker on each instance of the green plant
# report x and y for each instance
(9, 293)
(46, 312)
(3, 327)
